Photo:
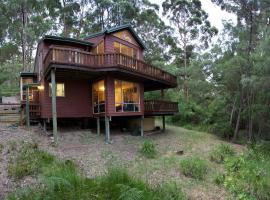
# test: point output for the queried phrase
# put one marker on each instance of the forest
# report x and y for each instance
(224, 86)
(223, 89)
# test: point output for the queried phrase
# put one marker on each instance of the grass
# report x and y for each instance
(194, 167)
(148, 149)
(221, 152)
(63, 181)
(29, 160)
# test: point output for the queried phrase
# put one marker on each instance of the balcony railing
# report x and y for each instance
(160, 107)
(86, 59)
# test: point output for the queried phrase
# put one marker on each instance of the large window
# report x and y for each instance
(121, 48)
(127, 98)
(99, 97)
(60, 89)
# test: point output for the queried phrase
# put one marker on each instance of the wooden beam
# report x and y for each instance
(27, 107)
(142, 117)
(107, 130)
(54, 114)
(163, 123)
(98, 126)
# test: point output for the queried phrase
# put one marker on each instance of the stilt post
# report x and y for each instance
(142, 117)
(107, 130)
(163, 123)
(98, 126)
(54, 114)
(27, 107)
(44, 125)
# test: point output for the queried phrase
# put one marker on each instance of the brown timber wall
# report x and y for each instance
(76, 103)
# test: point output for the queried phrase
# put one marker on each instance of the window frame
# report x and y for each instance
(122, 103)
(98, 104)
(57, 83)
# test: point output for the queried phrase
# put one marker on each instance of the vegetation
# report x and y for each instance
(148, 149)
(220, 152)
(194, 167)
(61, 180)
(30, 160)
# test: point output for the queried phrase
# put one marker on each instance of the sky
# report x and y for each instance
(216, 15)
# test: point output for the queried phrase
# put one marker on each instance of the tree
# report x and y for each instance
(192, 25)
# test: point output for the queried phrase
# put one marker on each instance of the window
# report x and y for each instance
(127, 98)
(98, 91)
(121, 48)
(125, 35)
(60, 89)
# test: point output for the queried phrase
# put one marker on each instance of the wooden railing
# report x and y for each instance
(34, 109)
(159, 106)
(87, 59)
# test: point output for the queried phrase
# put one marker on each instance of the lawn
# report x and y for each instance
(92, 158)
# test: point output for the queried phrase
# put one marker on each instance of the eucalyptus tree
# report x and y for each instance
(193, 30)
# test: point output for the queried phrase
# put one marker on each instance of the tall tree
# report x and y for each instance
(192, 25)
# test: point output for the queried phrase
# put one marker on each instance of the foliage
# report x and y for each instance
(194, 167)
(221, 152)
(61, 180)
(248, 175)
(28, 160)
(148, 149)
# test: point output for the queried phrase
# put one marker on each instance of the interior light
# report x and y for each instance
(101, 88)
(40, 87)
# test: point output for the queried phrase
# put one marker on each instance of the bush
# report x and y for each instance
(148, 149)
(194, 167)
(169, 191)
(248, 175)
(220, 152)
(28, 160)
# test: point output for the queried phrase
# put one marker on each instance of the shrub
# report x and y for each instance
(169, 191)
(248, 175)
(194, 167)
(219, 179)
(220, 152)
(148, 149)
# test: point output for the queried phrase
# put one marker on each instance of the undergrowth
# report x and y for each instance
(220, 152)
(148, 149)
(61, 180)
(194, 167)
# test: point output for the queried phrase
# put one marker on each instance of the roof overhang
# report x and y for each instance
(28, 74)
(67, 40)
(116, 29)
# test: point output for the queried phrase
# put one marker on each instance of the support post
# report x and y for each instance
(54, 114)
(98, 126)
(142, 117)
(107, 130)
(44, 125)
(163, 123)
(27, 107)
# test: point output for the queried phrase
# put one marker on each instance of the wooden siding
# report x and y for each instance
(76, 103)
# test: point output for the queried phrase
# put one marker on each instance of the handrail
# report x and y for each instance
(68, 56)
(160, 106)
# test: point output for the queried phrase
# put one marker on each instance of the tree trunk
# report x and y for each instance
(237, 125)
(233, 110)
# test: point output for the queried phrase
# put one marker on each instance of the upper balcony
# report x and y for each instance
(83, 59)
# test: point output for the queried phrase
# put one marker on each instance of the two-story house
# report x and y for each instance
(103, 76)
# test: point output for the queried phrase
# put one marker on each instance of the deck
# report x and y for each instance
(73, 57)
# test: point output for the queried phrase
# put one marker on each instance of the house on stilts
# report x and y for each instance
(102, 78)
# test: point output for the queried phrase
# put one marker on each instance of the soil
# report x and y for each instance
(93, 156)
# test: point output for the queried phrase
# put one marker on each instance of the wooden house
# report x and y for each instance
(103, 76)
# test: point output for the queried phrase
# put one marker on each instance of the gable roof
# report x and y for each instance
(116, 29)
(65, 39)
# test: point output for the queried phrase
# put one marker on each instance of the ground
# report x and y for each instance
(94, 157)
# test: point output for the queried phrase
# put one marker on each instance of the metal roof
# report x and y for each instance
(65, 39)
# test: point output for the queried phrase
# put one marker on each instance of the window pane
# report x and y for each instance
(126, 96)
(116, 47)
(99, 96)
(60, 89)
